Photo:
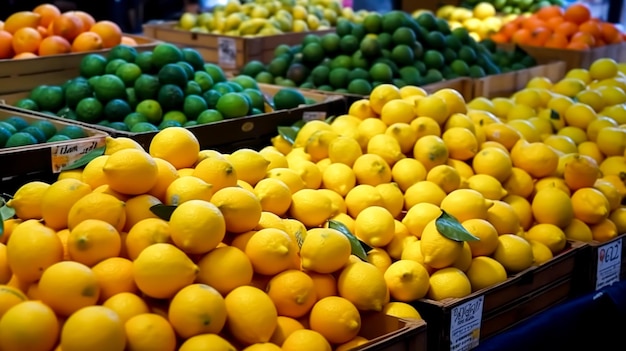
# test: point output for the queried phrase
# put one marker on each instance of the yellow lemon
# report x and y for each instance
(293, 293)
(568, 86)
(68, 287)
(30, 325)
(538, 159)
(392, 197)
(146, 232)
(361, 197)
(418, 216)
(504, 218)
(197, 226)
(361, 109)
(431, 151)
(465, 259)
(166, 174)
(446, 177)
(519, 183)
(27, 200)
(612, 141)
(113, 145)
(404, 135)
(344, 150)
(425, 126)
(371, 169)
(423, 191)
(590, 205)
(308, 171)
(324, 250)
(604, 231)
(364, 285)
(485, 232)
(200, 341)
(276, 158)
(310, 207)
(149, 331)
(603, 68)
(487, 185)
(514, 253)
(382, 94)
(610, 191)
(407, 280)
(461, 143)
(396, 245)
(288, 176)
(285, 326)
(407, 172)
(454, 100)
(466, 204)
(126, 305)
(541, 253)
(338, 177)
(338, 203)
(579, 73)
(197, 309)
(131, 171)
(553, 206)
(318, 143)
(219, 172)
(177, 145)
(271, 251)
(305, 338)
(95, 328)
(402, 310)
(397, 111)
(494, 162)
(57, 200)
(448, 283)
(459, 120)
(225, 268)
(433, 106)
(31, 248)
(591, 149)
(367, 129)
(522, 207)
(249, 164)
(375, 226)
(485, 272)
(385, 146)
(548, 234)
(579, 115)
(274, 195)
(379, 258)
(578, 230)
(114, 275)
(241, 208)
(251, 315)
(438, 250)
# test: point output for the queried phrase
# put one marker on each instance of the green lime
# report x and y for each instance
(144, 61)
(223, 88)
(67, 113)
(164, 53)
(21, 139)
(58, 137)
(298, 73)
(204, 80)
(370, 47)
(343, 27)
(373, 23)
(282, 49)
(5, 134)
(103, 123)
(360, 86)
(128, 72)
(233, 105)
(393, 20)
(113, 65)
(46, 127)
(319, 75)
(433, 59)
(171, 97)
(188, 68)
(264, 77)
(278, 66)
(167, 124)
(403, 35)
(211, 97)
(74, 132)
(410, 75)
(402, 55)
(147, 86)
(108, 87)
(348, 44)
(18, 123)
(341, 61)
(311, 38)
(427, 20)
(246, 82)
(193, 106)
(257, 100)
(172, 73)
(133, 118)
(436, 40)
(252, 68)
(385, 40)
(338, 78)
(89, 110)
(192, 88)
(131, 98)
(151, 109)
(122, 51)
(118, 125)
(51, 98)
(237, 88)
(8, 126)
(116, 110)
(190, 123)
(36, 132)
(287, 98)
(209, 116)
(27, 104)
(193, 57)
(92, 65)
(143, 127)
(76, 91)
(175, 116)
(381, 72)
(286, 83)
(215, 72)
(358, 31)
(330, 43)
(433, 76)
(467, 54)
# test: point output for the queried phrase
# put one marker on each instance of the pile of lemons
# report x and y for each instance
(242, 255)
(481, 21)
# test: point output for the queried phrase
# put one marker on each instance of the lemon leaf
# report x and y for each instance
(288, 133)
(85, 159)
(554, 115)
(452, 229)
(357, 245)
(163, 211)
(6, 212)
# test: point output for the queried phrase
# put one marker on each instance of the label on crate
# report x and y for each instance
(65, 155)
(465, 323)
(227, 52)
(313, 115)
(609, 263)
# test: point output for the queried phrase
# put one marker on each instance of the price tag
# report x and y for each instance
(67, 154)
(313, 115)
(465, 325)
(609, 263)
(227, 52)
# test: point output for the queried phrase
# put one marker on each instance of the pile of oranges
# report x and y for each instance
(47, 31)
(554, 27)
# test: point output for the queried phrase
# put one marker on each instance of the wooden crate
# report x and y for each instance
(576, 58)
(229, 52)
(505, 84)
(387, 333)
(43, 159)
(28, 73)
(457, 324)
(604, 264)
(463, 85)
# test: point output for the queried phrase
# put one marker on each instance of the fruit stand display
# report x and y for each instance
(281, 206)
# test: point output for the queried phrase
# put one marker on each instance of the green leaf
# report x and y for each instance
(299, 238)
(85, 159)
(163, 211)
(1, 228)
(330, 119)
(288, 133)
(6, 212)
(452, 229)
(297, 125)
(357, 245)
(554, 115)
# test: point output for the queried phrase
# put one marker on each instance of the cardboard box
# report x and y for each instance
(457, 324)
(22, 75)
(463, 85)
(229, 52)
(387, 333)
(231, 134)
(576, 58)
(44, 158)
(604, 264)
(505, 84)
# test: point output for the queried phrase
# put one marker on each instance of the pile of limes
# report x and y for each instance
(148, 91)
(18, 131)
(393, 48)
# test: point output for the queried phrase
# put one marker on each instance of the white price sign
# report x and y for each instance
(313, 115)
(68, 154)
(465, 325)
(227, 52)
(609, 263)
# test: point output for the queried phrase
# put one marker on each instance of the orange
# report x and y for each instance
(126, 40)
(547, 12)
(20, 20)
(584, 38)
(556, 40)
(48, 13)
(566, 28)
(6, 44)
(54, 45)
(110, 33)
(26, 40)
(592, 27)
(577, 13)
(87, 41)
(67, 25)
(86, 18)
(610, 34)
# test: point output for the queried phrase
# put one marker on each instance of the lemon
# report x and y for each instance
(219, 172)
(407, 172)
(504, 218)
(293, 293)
(338, 177)
(177, 145)
(548, 234)
(465, 259)
(317, 145)
(385, 146)
(311, 207)
(251, 315)
(438, 250)
(425, 126)
(610, 191)
(30, 325)
(603, 68)
(379, 258)
(276, 158)
(336, 318)
(382, 94)
(604, 231)
(241, 208)
(375, 226)
(344, 150)
(200, 341)
(338, 204)
(519, 183)
(407, 280)
(590, 205)
(578, 230)
(487, 234)
(274, 195)
(361, 197)
(126, 305)
(448, 283)
(149, 331)
(364, 285)
(285, 326)
(487, 185)
(307, 130)
(308, 171)
(27, 200)
(466, 204)
(31, 248)
(611, 141)
(431, 151)
(401, 310)
(423, 191)
(57, 200)
(131, 171)
(249, 164)
(514, 253)
(361, 109)
(392, 197)
(397, 111)
(404, 135)
(541, 253)
(113, 145)
(162, 269)
(433, 106)
(371, 169)
(197, 309)
(95, 328)
(324, 250)
(494, 162)
(197, 226)
(289, 177)
(460, 142)
(446, 177)
(306, 338)
(485, 272)
(271, 251)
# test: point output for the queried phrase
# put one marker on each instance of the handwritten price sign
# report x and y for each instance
(609, 263)
(465, 325)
